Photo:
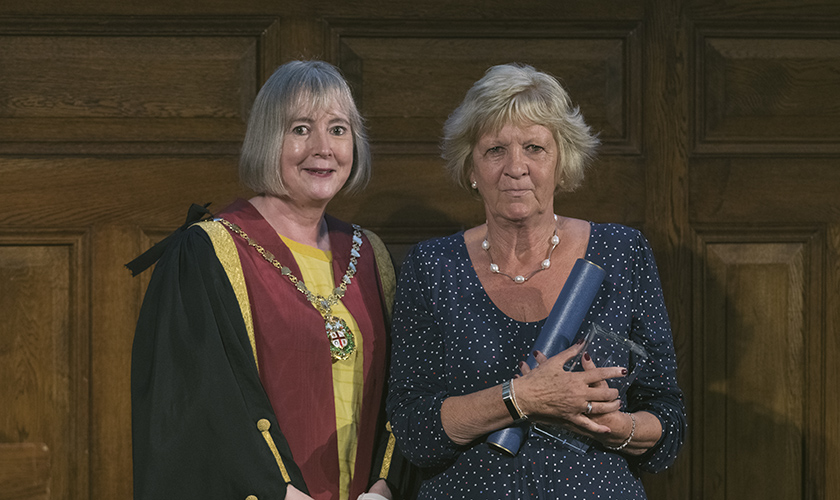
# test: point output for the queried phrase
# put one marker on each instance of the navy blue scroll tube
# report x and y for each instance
(556, 335)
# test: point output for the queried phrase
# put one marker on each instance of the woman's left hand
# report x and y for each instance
(620, 423)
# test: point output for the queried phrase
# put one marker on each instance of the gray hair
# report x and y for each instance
(518, 94)
(295, 87)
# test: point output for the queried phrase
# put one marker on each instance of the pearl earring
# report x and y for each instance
(474, 185)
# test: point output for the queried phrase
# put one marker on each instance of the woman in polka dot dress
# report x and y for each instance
(470, 307)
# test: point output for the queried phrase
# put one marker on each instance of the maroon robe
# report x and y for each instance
(294, 355)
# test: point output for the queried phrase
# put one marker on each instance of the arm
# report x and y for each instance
(547, 394)
(417, 383)
(656, 391)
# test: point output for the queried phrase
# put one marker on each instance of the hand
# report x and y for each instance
(607, 414)
(293, 493)
(379, 491)
(550, 394)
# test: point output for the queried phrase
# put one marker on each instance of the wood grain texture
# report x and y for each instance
(24, 471)
(719, 122)
(126, 86)
(759, 373)
(768, 89)
(44, 359)
(421, 71)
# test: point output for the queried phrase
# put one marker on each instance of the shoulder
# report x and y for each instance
(617, 235)
(442, 248)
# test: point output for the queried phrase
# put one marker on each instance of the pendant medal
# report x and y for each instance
(342, 343)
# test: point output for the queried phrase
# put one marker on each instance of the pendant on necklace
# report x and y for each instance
(342, 341)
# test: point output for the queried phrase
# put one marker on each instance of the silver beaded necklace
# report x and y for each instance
(545, 264)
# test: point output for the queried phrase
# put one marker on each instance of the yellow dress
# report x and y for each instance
(347, 375)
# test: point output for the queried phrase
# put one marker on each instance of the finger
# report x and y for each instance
(602, 408)
(602, 394)
(586, 361)
(540, 357)
(524, 369)
(595, 375)
(589, 426)
(588, 364)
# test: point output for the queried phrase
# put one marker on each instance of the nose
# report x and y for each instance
(517, 164)
(322, 144)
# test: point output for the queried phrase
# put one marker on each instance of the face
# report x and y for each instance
(317, 156)
(514, 169)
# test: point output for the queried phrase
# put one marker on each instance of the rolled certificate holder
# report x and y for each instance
(556, 335)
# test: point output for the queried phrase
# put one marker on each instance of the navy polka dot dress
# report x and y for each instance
(449, 339)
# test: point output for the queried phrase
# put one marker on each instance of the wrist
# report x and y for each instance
(629, 437)
(509, 398)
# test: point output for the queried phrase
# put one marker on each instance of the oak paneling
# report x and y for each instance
(126, 86)
(409, 77)
(152, 190)
(765, 189)
(721, 140)
(24, 471)
(759, 371)
(763, 90)
(44, 358)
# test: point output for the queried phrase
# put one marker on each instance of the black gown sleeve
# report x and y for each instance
(201, 421)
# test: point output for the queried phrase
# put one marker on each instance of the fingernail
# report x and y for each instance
(521, 365)
(624, 371)
(534, 354)
(587, 357)
(579, 341)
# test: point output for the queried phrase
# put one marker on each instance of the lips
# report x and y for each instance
(516, 192)
(319, 171)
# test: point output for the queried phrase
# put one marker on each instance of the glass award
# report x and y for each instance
(606, 349)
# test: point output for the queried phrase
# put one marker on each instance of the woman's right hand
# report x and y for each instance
(293, 493)
(549, 394)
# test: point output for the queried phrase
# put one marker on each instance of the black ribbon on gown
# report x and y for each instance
(150, 256)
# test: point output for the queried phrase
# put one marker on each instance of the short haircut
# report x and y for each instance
(518, 94)
(296, 88)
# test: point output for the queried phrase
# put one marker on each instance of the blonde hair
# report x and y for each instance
(518, 94)
(295, 87)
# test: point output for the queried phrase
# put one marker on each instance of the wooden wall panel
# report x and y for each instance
(123, 86)
(153, 190)
(780, 190)
(24, 471)
(759, 374)
(721, 141)
(409, 77)
(44, 358)
(768, 90)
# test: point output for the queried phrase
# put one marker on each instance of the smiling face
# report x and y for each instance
(514, 171)
(317, 155)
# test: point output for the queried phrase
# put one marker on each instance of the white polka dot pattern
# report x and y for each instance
(450, 339)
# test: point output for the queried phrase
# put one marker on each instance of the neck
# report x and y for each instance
(518, 241)
(302, 224)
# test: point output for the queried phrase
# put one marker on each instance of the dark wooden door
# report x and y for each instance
(719, 121)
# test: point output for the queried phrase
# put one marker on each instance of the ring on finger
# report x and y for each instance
(588, 408)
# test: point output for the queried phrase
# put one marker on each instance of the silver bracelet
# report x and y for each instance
(510, 402)
(629, 438)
